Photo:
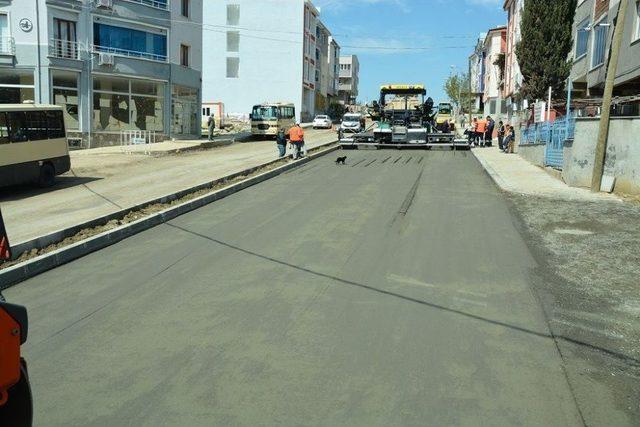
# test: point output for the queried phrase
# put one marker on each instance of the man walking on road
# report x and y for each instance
(296, 136)
(211, 123)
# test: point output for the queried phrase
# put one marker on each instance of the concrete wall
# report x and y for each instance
(622, 160)
(533, 153)
(271, 59)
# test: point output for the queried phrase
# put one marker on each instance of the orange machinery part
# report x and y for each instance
(9, 354)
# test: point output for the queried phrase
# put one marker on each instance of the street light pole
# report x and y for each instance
(605, 114)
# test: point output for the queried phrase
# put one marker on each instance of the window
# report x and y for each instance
(184, 8)
(233, 14)
(55, 124)
(184, 55)
(233, 41)
(233, 68)
(122, 104)
(582, 39)
(36, 125)
(65, 93)
(6, 45)
(130, 42)
(599, 44)
(637, 21)
(4, 130)
(16, 86)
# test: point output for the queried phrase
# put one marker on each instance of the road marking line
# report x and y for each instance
(469, 301)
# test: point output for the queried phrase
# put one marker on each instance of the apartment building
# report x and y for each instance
(349, 79)
(256, 54)
(593, 31)
(333, 59)
(476, 73)
(512, 75)
(114, 65)
(494, 51)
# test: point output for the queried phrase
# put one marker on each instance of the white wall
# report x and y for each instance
(270, 59)
(186, 31)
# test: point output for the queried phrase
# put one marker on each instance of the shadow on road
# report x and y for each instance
(24, 191)
(548, 335)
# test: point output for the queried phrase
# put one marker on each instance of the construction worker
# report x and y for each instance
(281, 141)
(296, 136)
(481, 131)
(211, 123)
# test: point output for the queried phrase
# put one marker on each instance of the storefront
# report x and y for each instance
(185, 111)
(16, 85)
(127, 104)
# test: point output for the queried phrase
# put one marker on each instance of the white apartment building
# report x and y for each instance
(115, 66)
(494, 46)
(512, 75)
(349, 79)
(255, 54)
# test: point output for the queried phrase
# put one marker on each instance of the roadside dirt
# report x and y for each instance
(588, 283)
(134, 215)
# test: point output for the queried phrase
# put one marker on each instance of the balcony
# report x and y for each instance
(7, 46)
(65, 49)
(128, 53)
(156, 4)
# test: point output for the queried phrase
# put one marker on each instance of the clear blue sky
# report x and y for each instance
(448, 29)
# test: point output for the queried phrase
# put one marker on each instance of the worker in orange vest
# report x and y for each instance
(481, 131)
(296, 136)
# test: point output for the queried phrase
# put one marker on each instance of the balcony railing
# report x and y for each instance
(66, 49)
(128, 53)
(7, 46)
(158, 4)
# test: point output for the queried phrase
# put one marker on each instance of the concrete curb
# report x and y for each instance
(30, 268)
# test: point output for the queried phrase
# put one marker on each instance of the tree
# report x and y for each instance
(336, 111)
(543, 51)
(457, 89)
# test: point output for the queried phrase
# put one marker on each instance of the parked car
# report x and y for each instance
(322, 122)
(352, 122)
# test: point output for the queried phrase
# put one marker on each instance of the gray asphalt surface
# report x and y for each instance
(394, 290)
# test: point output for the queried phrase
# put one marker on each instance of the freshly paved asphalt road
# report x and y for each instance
(394, 290)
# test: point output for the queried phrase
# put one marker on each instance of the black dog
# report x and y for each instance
(341, 160)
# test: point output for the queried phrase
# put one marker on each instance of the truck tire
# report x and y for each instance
(47, 175)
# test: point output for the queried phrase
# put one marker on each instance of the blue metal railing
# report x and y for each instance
(553, 135)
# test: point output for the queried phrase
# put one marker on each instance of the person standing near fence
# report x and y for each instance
(501, 132)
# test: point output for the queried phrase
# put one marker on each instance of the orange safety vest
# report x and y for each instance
(296, 134)
(482, 126)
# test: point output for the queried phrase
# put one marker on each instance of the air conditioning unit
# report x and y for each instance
(104, 3)
(106, 59)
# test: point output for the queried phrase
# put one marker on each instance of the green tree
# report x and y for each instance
(545, 45)
(457, 89)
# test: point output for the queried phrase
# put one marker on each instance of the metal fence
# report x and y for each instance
(553, 135)
(129, 139)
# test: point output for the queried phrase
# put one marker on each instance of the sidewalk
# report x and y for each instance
(515, 175)
(107, 180)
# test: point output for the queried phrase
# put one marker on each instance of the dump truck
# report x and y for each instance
(405, 119)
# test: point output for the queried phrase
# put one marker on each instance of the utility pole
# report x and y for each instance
(605, 115)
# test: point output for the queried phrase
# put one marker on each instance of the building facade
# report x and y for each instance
(476, 74)
(494, 49)
(334, 71)
(115, 65)
(257, 54)
(593, 31)
(349, 79)
(512, 75)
